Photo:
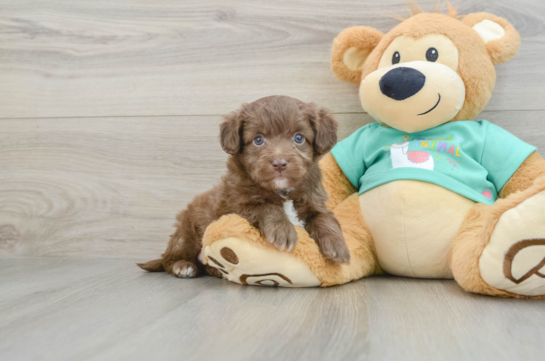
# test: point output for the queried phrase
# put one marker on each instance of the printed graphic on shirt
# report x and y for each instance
(402, 157)
(414, 154)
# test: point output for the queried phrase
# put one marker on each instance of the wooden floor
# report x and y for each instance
(55, 309)
(109, 113)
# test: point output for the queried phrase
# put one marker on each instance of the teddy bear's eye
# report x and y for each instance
(396, 58)
(432, 54)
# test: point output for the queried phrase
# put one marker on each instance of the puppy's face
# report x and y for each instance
(277, 139)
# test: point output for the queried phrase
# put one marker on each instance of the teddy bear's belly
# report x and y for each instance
(413, 224)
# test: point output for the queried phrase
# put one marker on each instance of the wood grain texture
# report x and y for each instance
(431, 320)
(111, 187)
(110, 310)
(70, 58)
(108, 186)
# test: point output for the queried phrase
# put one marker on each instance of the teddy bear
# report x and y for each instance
(425, 191)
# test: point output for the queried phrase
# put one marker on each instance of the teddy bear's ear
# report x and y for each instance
(501, 39)
(350, 50)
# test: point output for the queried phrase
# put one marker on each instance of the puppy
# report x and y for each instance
(274, 145)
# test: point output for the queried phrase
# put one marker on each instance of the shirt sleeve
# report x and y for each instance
(502, 155)
(349, 154)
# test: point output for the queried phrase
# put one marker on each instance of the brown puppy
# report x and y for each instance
(275, 144)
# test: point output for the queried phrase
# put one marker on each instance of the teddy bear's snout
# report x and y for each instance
(401, 83)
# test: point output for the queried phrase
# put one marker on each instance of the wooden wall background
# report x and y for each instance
(109, 109)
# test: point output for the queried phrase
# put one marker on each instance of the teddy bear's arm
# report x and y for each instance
(532, 168)
(336, 184)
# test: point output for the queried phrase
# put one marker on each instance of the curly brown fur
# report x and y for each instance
(260, 179)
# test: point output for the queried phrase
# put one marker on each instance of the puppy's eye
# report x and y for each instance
(432, 54)
(396, 58)
(259, 140)
(299, 138)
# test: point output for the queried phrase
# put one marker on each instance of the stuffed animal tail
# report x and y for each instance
(153, 266)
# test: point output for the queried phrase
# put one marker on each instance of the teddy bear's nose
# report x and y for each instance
(401, 83)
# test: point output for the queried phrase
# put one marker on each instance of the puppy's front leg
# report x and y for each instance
(324, 228)
(275, 226)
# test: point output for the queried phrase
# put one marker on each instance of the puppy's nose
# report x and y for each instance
(279, 164)
(401, 83)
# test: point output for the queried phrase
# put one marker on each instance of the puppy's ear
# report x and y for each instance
(324, 126)
(231, 133)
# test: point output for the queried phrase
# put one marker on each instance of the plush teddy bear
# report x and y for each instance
(424, 191)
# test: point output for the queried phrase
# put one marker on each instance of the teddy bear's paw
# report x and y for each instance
(246, 263)
(514, 259)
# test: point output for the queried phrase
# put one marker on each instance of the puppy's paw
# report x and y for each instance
(282, 235)
(326, 232)
(185, 269)
(334, 248)
(331, 242)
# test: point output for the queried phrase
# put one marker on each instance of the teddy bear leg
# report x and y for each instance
(500, 249)
(237, 250)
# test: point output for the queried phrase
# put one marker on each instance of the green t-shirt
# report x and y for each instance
(472, 158)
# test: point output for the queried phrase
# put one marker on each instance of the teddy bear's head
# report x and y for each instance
(430, 69)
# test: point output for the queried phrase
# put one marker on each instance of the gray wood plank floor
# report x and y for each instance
(53, 309)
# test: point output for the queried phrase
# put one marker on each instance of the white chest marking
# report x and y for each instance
(289, 209)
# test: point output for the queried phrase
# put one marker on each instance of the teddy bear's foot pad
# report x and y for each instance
(514, 259)
(245, 263)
